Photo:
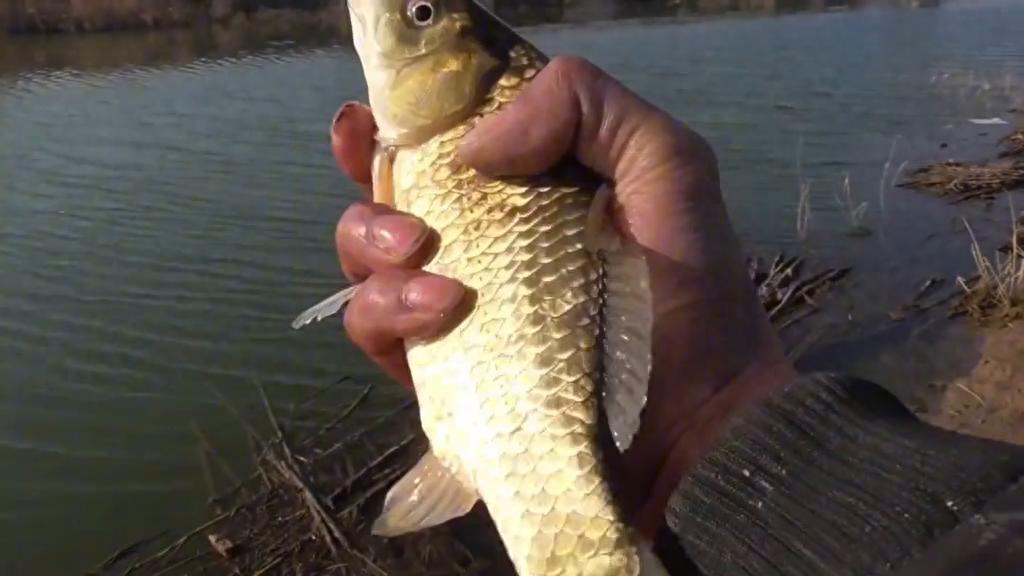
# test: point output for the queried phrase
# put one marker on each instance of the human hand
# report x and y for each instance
(714, 350)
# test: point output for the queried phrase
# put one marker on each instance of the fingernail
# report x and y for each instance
(338, 116)
(397, 234)
(341, 113)
(435, 294)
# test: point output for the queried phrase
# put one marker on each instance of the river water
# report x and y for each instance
(167, 206)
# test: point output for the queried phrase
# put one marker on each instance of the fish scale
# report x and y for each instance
(509, 398)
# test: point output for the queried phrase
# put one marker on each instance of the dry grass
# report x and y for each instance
(962, 182)
(885, 172)
(996, 294)
(307, 507)
(803, 211)
(787, 293)
(1013, 145)
(1015, 244)
(854, 212)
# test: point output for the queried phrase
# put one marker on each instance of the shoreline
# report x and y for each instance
(58, 17)
(63, 17)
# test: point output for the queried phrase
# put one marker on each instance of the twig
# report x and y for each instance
(277, 560)
(798, 317)
(289, 469)
(971, 392)
(177, 544)
(204, 441)
(388, 417)
(354, 479)
(127, 551)
(926, 287)
(773, 315)
(344, 414)
(186, 561)
(238, 416)
(386, 480)
(320, 391)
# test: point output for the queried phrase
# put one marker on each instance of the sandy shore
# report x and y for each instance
(989, 401)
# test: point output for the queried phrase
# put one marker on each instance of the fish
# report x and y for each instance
(557, 342)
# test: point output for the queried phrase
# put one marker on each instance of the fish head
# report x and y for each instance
(428, 63)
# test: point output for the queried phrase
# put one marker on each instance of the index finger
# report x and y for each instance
(352, 142)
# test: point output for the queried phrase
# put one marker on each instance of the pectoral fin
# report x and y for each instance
(328, 307)
(428, 495)
(628, 319)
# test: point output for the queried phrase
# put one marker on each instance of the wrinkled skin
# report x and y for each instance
(714, 350)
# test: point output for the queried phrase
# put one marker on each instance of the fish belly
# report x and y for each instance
(508, 399)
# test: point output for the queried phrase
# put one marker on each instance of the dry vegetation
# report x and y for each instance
(1017, 242)
(995, 295)
(787, 293)
(961, 182)
(1013, 145)
(307, 507)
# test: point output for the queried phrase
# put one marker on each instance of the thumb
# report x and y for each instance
(665, 175)
(574, 108)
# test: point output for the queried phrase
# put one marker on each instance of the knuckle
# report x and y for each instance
(381, 291)
(366, 308)
(352, 322)
(373, 317)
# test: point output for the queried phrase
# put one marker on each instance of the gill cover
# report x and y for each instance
(426, 62)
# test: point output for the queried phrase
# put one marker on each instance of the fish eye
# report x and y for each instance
(421, 12)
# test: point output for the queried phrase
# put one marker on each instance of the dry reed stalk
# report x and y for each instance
(995, 295)
(1013, 145)
(803, 210)
(964, 182)
(854, 213)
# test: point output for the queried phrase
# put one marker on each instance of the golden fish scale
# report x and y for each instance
(508, 398)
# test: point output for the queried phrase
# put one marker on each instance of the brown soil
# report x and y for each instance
(988, 402)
